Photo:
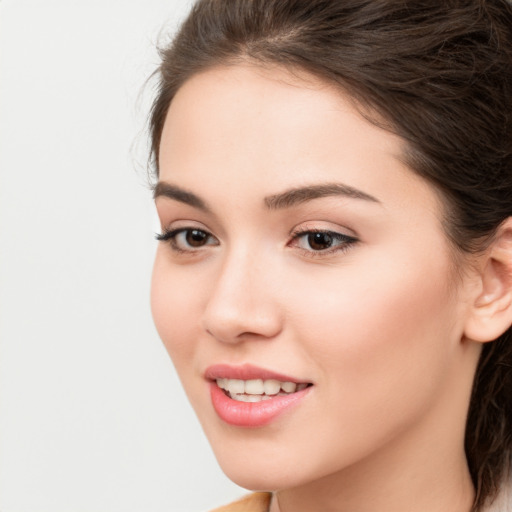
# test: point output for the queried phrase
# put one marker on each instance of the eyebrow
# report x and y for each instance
(300, 195)
(178, 194)
(283, 200)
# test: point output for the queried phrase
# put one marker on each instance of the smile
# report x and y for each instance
(248, 396)
(256, 390)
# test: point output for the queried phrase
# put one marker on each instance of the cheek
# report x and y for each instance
(385, 337)
(173, 308)
(382, 347)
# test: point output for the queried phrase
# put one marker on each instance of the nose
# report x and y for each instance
(242, 304)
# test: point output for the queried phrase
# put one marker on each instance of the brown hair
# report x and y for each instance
(439, 73)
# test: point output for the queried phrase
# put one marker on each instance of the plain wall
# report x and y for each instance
(92, 416)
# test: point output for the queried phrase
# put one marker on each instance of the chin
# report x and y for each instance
(262, 468)
(256, 478)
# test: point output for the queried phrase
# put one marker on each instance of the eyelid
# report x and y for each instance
(345, 241)
(323, 227)
(170, 234)
(178, 225)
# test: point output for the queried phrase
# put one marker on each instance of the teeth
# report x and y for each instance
(250, 398)
(289, 387)
(235, 386)
(271, 387)
(254, 390)
(254, 387)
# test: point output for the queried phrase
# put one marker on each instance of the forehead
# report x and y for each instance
(265, 98)
(267, 129)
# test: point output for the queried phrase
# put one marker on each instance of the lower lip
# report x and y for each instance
(252, 414)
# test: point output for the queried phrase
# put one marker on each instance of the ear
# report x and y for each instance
(491, 307)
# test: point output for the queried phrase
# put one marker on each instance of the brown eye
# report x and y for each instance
(196, 237)
(320, 241)
(187, 239)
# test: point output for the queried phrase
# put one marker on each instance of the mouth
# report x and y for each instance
(247, 396)
(257, 390)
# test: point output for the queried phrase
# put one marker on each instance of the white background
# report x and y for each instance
(92, 417)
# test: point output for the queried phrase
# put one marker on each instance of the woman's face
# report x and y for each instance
(299, 248)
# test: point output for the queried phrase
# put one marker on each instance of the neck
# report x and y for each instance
(422, 470)
(449, 489)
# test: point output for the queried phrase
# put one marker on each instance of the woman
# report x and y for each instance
(334, 278)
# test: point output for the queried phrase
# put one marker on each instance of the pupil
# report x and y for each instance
(196, 238)
(319, 241)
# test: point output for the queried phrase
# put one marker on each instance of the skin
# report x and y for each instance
(376, 325)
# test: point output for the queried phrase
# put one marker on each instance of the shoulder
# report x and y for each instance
(255, 502)
(503, 501)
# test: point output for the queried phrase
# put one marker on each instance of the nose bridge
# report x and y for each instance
(242, 302)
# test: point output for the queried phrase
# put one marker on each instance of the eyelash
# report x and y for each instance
(343, 242)
(170, 237)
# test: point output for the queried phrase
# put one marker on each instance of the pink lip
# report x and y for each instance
(250, 414)
(245, 372)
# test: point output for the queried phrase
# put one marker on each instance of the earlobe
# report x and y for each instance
(491, 309)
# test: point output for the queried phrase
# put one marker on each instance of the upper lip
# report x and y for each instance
(246, 372)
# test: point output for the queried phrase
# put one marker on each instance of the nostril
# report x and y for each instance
(244, 323)
(241, 305)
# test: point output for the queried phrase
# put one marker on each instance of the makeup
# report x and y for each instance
(247, 396)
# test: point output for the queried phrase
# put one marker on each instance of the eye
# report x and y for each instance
(193, 237)
(317, 241)
(187, 239)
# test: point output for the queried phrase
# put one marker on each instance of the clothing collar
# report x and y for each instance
(503, 501)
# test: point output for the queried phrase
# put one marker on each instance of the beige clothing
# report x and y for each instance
(255, 502)
(260, 502)
(503, 502)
